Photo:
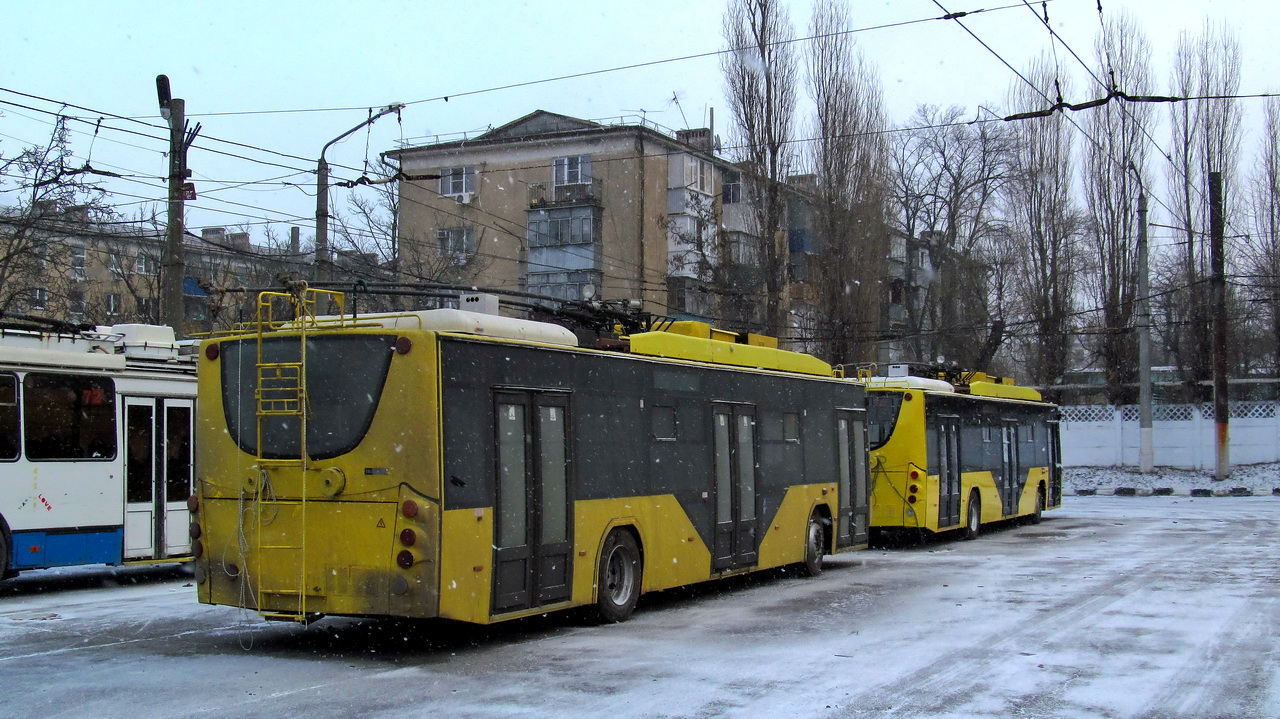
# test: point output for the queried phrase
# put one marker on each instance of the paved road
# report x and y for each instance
(1114, 607)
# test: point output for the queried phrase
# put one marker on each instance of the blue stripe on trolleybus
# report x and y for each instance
(39, 549)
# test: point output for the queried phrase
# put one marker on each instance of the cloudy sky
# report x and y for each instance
(283, 78)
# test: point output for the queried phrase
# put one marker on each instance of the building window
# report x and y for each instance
(78, 263)
(743, 248)
(573, 170)
(699, 174)
(564, 285)
(39, 298)
(456, 242)
(147, 308)
(76, 305)
(565, 226)
(146, 265)
(731, 191)
(457, 180)
(115, 264)
(113, 304)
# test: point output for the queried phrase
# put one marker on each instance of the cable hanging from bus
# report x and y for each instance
(95, 443)
(479, 467)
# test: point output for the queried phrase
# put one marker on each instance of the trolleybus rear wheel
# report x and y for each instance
(618, 589)
(5, 548)
(1038, 515)
(973, 521)
(814, 547)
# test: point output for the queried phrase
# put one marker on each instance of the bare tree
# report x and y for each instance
(946, 177)
(761, 76)
(1262, 264)
(1044, 227)
(850, 160)
(53, 201)
(1206, 138)
(1114, 175)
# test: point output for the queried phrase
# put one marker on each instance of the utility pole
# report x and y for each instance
(1221, 408)
(171, 278)
(1146, 449)
(323, 260)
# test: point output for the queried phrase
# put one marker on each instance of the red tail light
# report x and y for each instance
(195, 530)
(409, 508)
(404, 559)
(193, 503)
(197, 548)
(408, 537)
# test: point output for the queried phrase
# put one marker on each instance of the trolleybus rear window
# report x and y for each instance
(882, 416)
(344, 376)
(69, 416)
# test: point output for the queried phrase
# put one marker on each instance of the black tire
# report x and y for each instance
(815, 547)
(1039, 513)
(6, 549)
(973, 518)
(618, 577)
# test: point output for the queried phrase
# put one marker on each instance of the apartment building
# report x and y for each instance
(579, 209)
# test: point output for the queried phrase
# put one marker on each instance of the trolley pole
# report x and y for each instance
(1146, 449)
(1221, 408)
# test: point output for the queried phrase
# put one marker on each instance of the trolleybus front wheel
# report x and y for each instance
(1038, 515)
(814, 547)
(974, 519)
(618, 589)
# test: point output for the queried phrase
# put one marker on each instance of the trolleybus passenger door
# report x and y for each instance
(735, 486)
(947, 441)
(1009, 488)
(532, 563)
(851, 450)
(157, 469)
(1055, 463)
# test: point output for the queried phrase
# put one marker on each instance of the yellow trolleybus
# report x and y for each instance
(957, 450)
(476, 467)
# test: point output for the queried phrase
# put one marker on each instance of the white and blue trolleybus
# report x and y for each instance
(95, 447)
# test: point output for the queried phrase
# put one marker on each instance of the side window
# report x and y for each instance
(9, 421)
(791, 427)
(664, 423)
(69, 417)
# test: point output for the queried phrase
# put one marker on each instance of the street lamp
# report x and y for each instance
(322, 193)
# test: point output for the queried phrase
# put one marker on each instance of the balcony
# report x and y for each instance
(584, 193)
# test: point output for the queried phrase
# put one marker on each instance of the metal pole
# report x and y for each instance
(1146, 450)
(1221, 408)
(322, 219)
(323, 259)
(171, 309)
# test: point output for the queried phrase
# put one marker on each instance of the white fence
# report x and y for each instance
(1182, 435)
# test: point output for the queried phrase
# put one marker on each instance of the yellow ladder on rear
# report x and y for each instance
(281, 392)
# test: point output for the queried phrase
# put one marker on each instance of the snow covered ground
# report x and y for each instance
(1260, 479)
(1112, 607)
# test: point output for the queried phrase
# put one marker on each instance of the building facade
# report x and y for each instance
(580, 210)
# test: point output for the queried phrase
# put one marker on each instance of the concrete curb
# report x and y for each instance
(1168, 492)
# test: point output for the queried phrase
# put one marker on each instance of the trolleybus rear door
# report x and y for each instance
(735, 486)
(947, 442)
(157, 468)
(532, 563)
(851, 451)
